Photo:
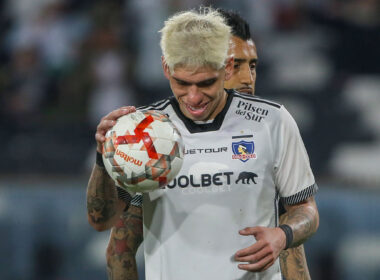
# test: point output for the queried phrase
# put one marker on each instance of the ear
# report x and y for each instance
(165, 67)
(229, 68)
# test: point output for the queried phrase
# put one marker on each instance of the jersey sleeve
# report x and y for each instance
(293, 175)
(123, 195)
(137, 200)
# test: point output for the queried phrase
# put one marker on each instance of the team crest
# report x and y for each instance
(243, 150)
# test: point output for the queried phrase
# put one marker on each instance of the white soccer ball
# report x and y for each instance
(143, 151)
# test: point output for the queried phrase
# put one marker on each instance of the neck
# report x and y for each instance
(220, 106)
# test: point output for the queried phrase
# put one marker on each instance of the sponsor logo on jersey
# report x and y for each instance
(251, 112)
(246, 177)
(206, 150)
(243, 150)
(211, 183)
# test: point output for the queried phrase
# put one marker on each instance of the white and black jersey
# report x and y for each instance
(235, 170)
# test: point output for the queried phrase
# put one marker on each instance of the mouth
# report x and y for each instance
(196, 111)
(248, 90)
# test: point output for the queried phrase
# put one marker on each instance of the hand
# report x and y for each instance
(261, 255)
(108, 122)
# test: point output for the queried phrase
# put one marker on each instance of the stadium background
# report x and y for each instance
(66, 63)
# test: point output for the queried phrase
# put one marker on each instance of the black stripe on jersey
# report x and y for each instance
(159, 105)
(300, 196)
(197, 128)
(127, 198)
(137, 200)
(242, 136)
(124, 196)
(256, 99)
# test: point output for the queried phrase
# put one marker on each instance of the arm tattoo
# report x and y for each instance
(101, 196)
(126, 237)
(293, 264)
(303, 218)
(293, 261)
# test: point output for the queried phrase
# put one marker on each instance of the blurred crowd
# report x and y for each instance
(65, 63)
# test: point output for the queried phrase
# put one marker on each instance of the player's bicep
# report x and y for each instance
(293, 173)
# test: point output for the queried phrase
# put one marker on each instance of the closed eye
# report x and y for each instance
(181, 82)
(207, 83)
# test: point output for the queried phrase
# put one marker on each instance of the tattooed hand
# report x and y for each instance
(109, 121)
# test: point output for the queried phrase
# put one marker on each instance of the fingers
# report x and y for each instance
(261, 265)
(108, 122)
(249, 250)
(249, 231)
(253, 253)
(261, 255)
(102, 128)
(115, 114)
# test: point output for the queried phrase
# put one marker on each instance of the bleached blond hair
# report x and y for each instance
(195, 39)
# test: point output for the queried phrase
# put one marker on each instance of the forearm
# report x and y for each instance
(126, 237)
(303, 219)
(103, 206)
(293, 264)
(123, 269)
(293, 261)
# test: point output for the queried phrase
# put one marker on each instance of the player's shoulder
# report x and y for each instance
(262, 110)
(245, 98)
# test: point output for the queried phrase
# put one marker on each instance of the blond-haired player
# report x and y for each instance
(192, 230)
(126, 235)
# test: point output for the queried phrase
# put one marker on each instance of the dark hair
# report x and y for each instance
(240, 27)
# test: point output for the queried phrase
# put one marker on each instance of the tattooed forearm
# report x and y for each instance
(284, 262)
(293, 261)
(303, 218)
(293, 264)
(101, 197)
(126, 237)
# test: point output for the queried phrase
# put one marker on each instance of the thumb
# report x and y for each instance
(249, 231)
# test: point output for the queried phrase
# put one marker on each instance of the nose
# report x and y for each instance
(194, 95)
(246, 76)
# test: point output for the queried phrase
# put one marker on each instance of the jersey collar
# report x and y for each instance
(204, 127)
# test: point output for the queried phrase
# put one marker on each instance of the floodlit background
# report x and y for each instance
(66, 63)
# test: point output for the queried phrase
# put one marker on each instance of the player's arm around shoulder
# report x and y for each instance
(103, 205)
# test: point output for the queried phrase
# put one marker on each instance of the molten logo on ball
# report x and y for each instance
(143, 151)
(127, 158)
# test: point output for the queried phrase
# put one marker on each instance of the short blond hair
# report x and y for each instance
(195, 39)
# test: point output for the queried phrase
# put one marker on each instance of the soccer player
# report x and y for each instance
(126, 235)
(202, 229)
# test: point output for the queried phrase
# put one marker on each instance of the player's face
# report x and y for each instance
(245, 59)
(200, 93)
